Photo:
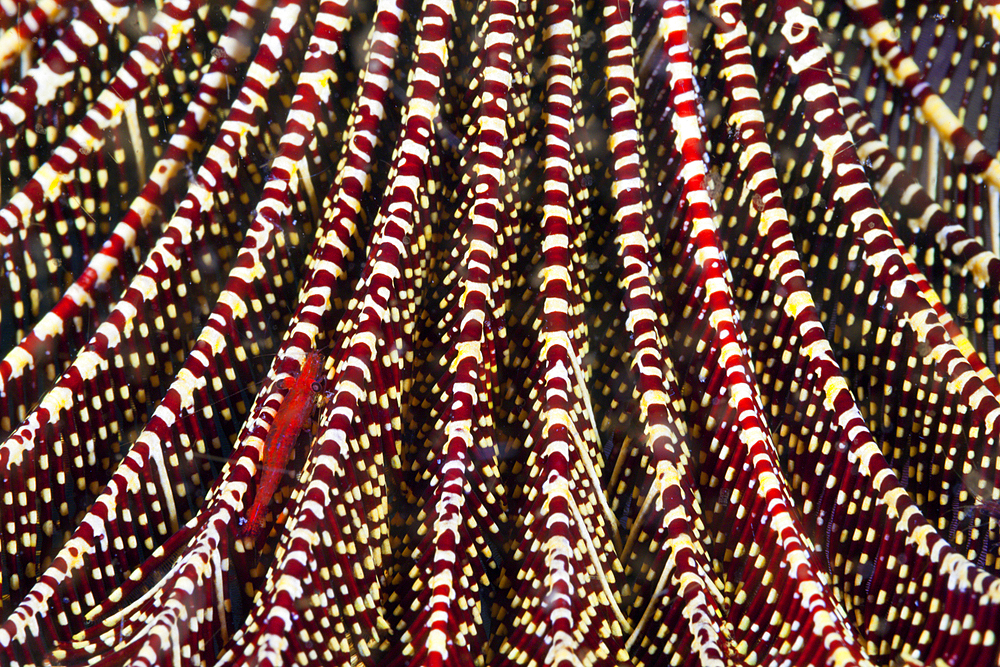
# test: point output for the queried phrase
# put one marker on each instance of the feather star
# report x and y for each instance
(653, 333)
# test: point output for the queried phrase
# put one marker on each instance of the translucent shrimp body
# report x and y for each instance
(292, 416)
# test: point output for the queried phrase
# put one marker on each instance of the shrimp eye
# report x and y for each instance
(317, 386)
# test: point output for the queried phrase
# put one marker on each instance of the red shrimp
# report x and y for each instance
(288, 423)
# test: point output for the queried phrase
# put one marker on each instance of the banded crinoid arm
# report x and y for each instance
(342, 508)
(160, 476)
(880, 162)
(969, 209)
(285, 204)
(879, 549)
(563, 603)
(343, 209)
(920, 395)
(342, 616)
(197, 573)
(461, 132)
(440, 599)
(902, 70)
(150, 621)
(11, 11)
(702, 405)
(56, 91)
(948, 55)
(62, 455)
(977, 281)
(778, 600)
(960, 267)
(28, 369)
(63, 195)
(37, 23)
(674, 585)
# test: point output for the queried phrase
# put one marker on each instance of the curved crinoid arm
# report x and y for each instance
(932, 235)
(563, 600)
(65, 76)
(160, 476)
(921, 61)
(768, 567)
(871, 151)
(556, 428)
(285, 203)
(143, 627)
(894, 345)
(64, 472)
(938, 42)
(36, 24)
(328, 569)
(26, 370)
(953, 166)
(57, 470)
(672, 580)
(193, 575)
(902, 70)
(109, 144)
(843, 484)
(440, 599)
